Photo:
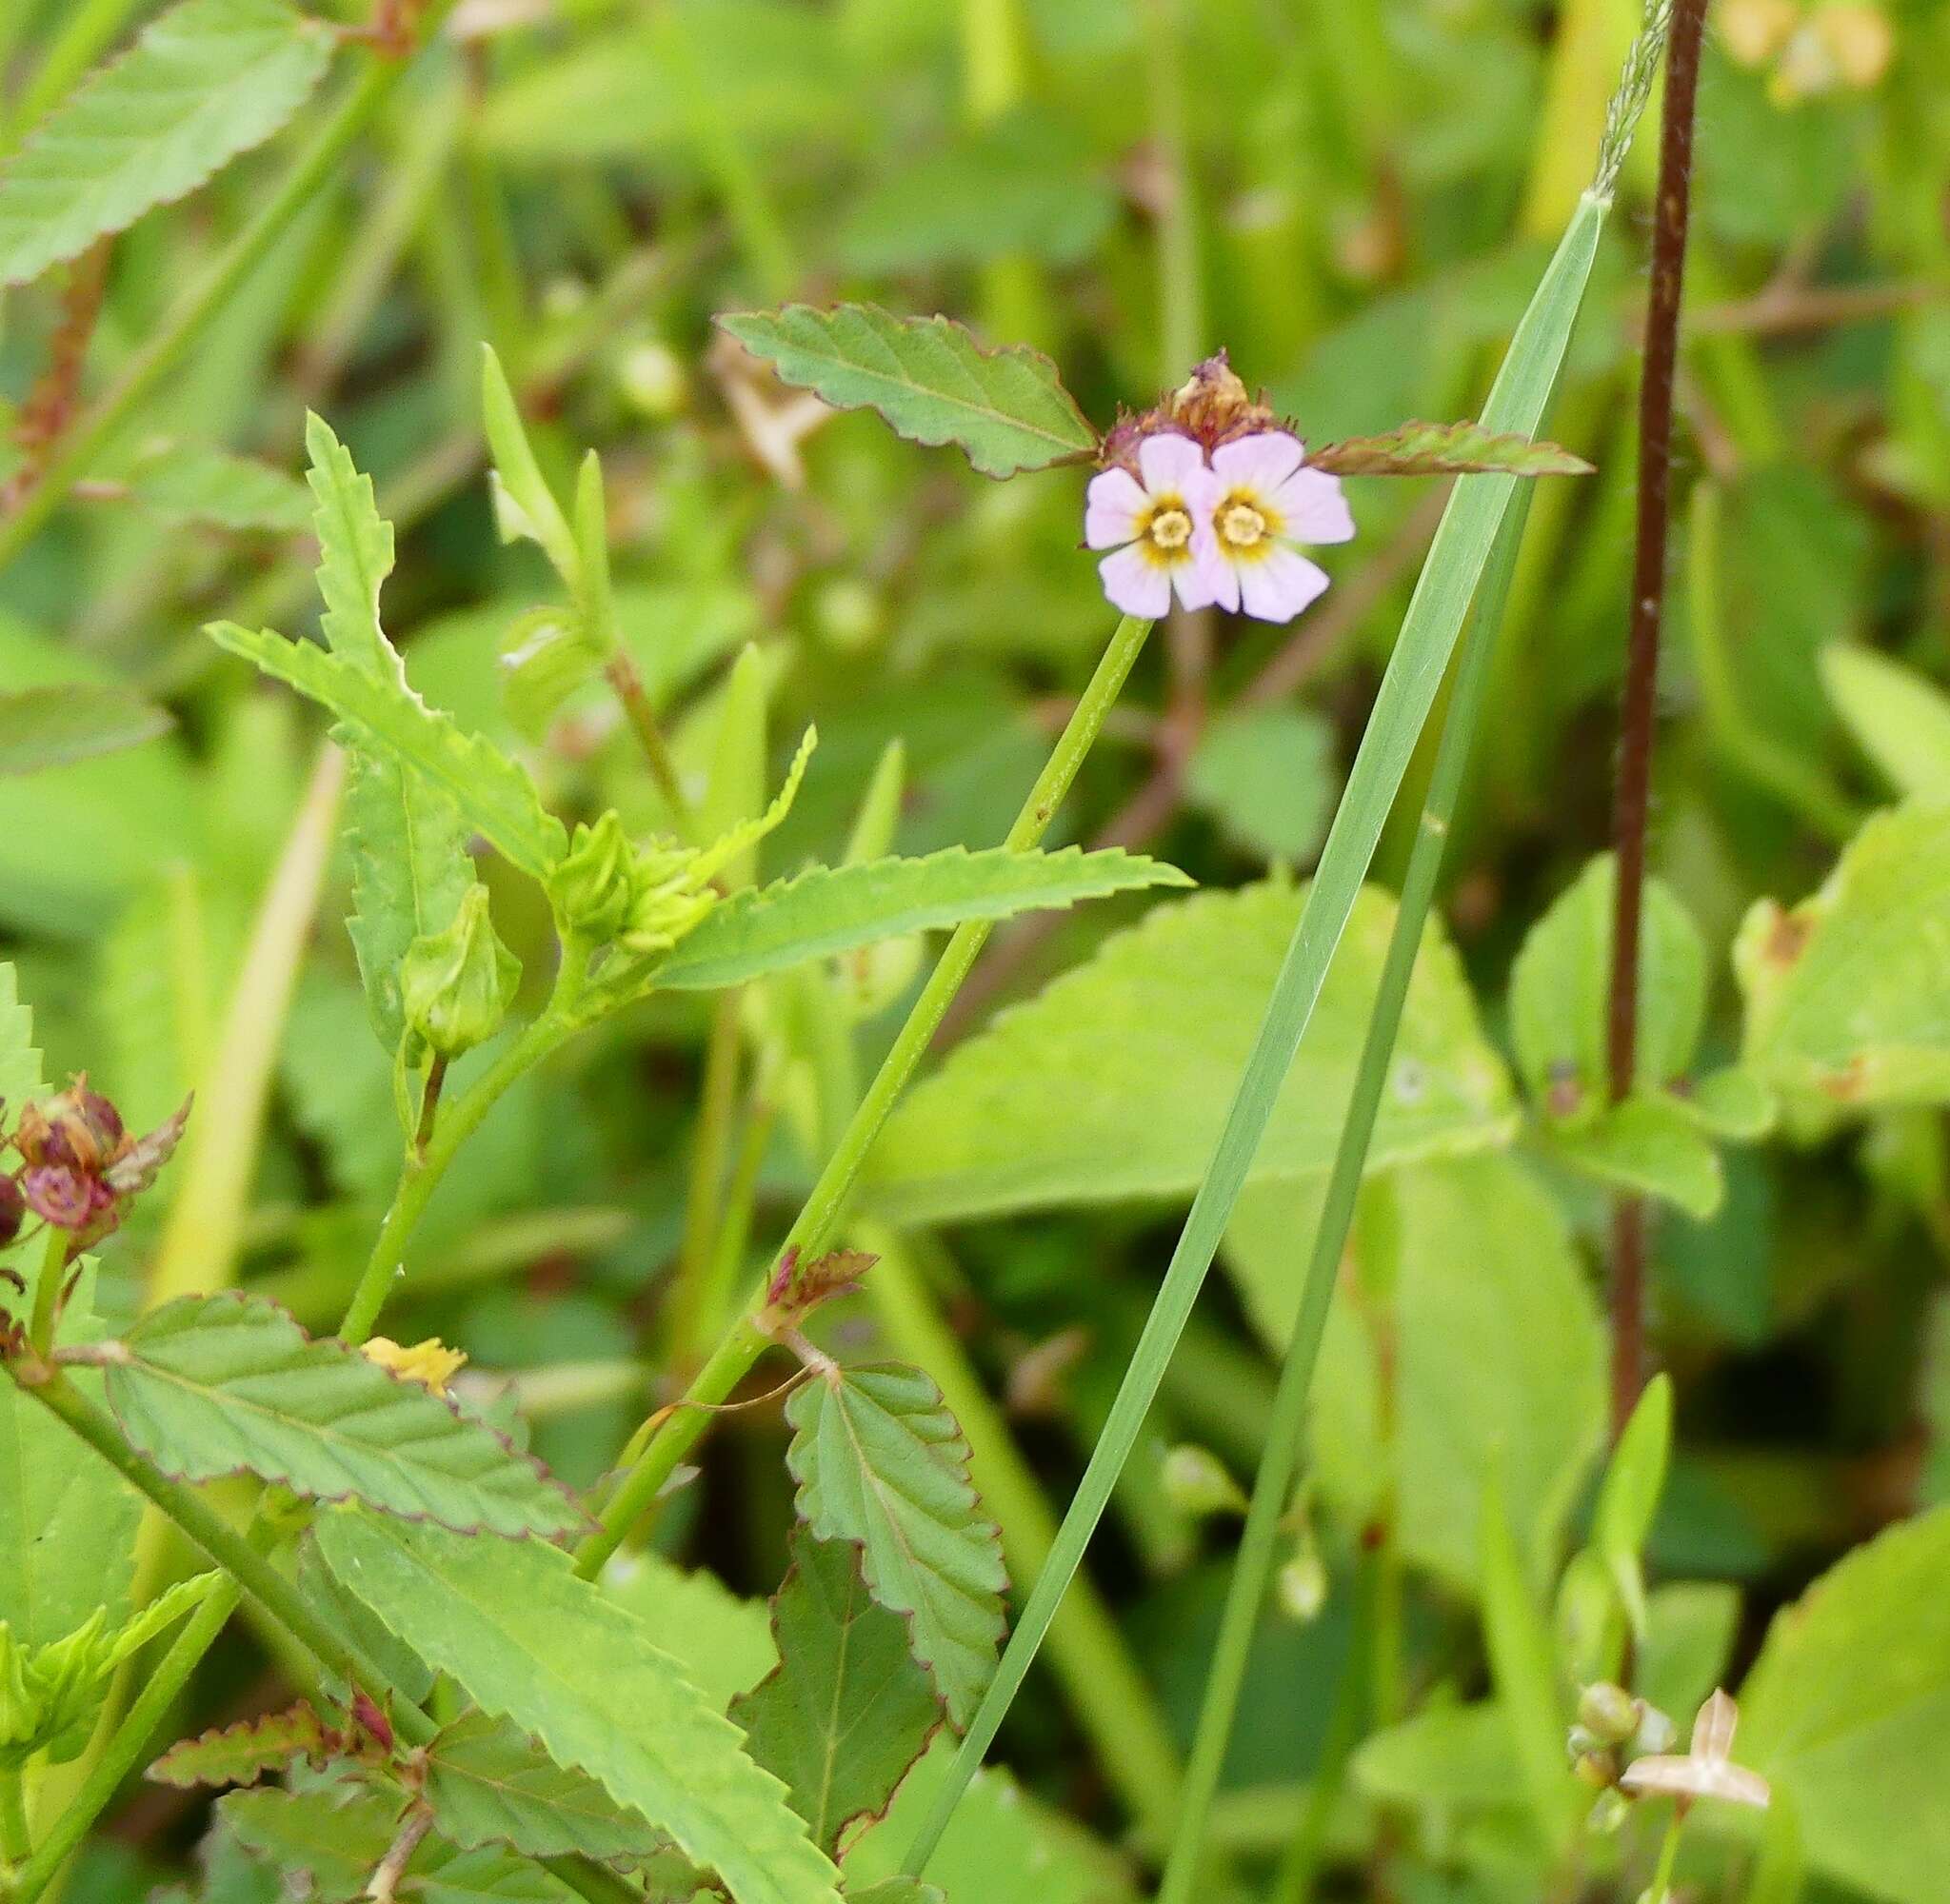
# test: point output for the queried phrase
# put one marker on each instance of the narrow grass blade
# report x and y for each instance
(1252, 1569)
(1448, 583)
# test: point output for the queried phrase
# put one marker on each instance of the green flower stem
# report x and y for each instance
(1448, 583)
(744, 1342)
(423, 1169)
(40, 1330)
(131, 1740)
(1104, 1689)
(16, 1845)
(308, 173)
(1660, 1889)
(1253, 1569)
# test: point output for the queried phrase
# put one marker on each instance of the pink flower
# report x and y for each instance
(1264, 500)
(1161, 528)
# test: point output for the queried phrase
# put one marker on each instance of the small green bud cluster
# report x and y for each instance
(456, 984)
(1613, 1728)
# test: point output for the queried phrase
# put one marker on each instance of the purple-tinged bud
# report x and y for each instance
(12, 1210)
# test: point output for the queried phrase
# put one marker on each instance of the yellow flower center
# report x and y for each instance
(1170, 526)
(1241, 526)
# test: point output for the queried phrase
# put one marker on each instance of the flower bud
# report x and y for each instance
(591, 890)
(1196, 1483)
(1608, 1813)
(1655, 1731)
(1609, 1713)
(12, 1209)
(457, 985)
(1599, 1769)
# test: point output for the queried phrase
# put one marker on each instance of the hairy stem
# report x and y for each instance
(427, 1161)
(1634, 789)
(16, 1845)
(1253, 1569)
(746, 1342)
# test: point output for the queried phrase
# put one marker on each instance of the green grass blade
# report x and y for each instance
(1447, 584)
(1252, 1569)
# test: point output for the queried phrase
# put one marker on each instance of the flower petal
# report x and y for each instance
(1314, 508)
(1198, 581)
(1112, 506)
(1169, 462)
(1135, 584)
(1218, 577)
(1261, 460)
(1279, 584)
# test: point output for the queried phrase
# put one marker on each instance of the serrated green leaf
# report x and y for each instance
(848, 1710)
(1445, 449)
(1900, 719)
(410, 865)
(1847, 1712)
(495, 795)
(44, 727)
(355, 551)
(213, 1385)
(1114, 1080)
(242, 1753)
(882, 1463)
(530, 1642)
(490, 1784)
(207, 79)
(334, 1838)
(933, 382)
(197, 482)
(20, 1063)
(1560, 990)
(1848, 993)
(832, 909)
(1650, 1145)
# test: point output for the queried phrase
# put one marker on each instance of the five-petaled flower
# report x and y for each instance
(1264, 500)
(1204, 497)
(1160, 525)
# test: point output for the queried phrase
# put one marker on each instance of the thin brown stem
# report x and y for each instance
(1634, 789)
(51, 406)
(429, 1103)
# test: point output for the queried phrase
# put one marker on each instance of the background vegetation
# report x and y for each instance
(1355, 199)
